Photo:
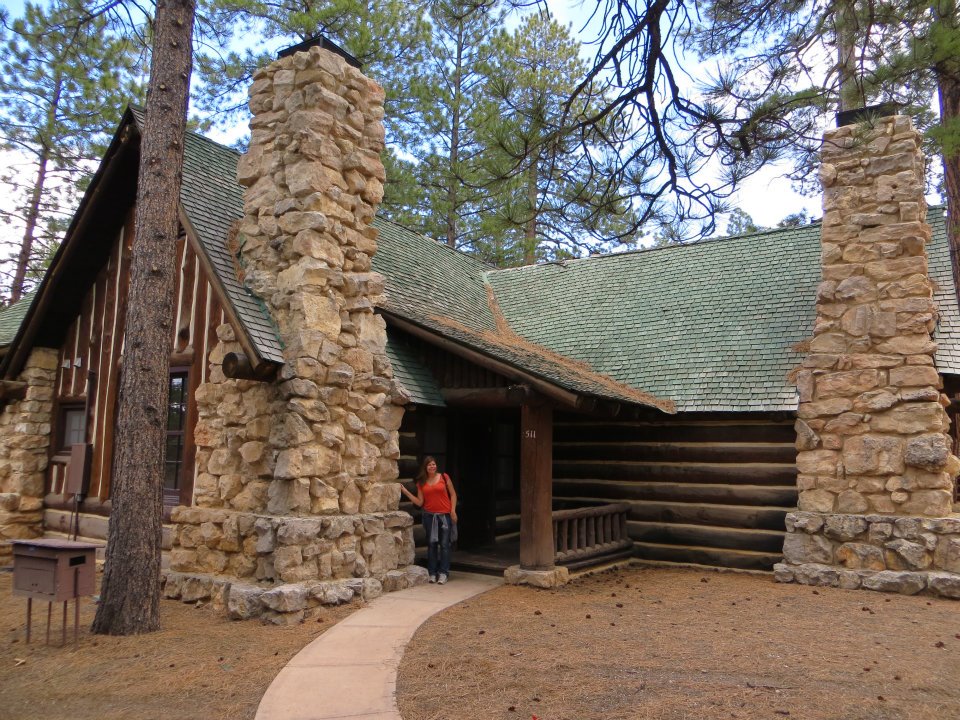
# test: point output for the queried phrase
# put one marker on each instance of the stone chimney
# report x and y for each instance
(295, 488)
(875, 469)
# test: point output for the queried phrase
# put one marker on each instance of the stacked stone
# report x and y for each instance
(25, 427)
(323, 439)
(872, 431)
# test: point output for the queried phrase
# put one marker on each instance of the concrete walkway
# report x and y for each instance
(351, 670)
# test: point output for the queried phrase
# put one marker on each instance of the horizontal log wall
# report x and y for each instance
(94, 342)
(709, 489)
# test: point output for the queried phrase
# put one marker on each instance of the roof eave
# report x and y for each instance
(261, 367)
(17, 352)
(563, 396)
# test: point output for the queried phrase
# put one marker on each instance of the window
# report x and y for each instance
(72, 427)
(176, 422)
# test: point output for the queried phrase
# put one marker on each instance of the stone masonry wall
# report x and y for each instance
(296, 496)
(25, 427)
(875, 469)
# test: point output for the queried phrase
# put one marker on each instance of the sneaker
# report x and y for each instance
(442, 579)
(433, 578)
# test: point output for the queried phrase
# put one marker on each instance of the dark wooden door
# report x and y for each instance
(483, 458)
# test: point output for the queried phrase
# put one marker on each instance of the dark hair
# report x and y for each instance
(421, 477)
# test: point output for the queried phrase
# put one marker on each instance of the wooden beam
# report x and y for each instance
(536, 486)
(500, 397)
(181, 359)
(237, 365)
(12, 390)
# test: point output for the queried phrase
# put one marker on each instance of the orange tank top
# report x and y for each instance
(435, 496)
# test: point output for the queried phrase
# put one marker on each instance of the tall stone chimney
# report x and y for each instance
(296, 490)
(874, 455)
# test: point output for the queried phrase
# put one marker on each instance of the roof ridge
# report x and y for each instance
(674, 247)
(443, 246)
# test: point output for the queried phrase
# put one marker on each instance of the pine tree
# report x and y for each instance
(130, 591)
(388, 37)
(451, 97)
(549, 191)
(62, 88)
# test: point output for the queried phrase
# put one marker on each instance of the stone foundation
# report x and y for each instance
(554, 577)
(25, 434)
(296, 499)
(907, 555)
(875, 467)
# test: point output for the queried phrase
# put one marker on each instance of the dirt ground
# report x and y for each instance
(656, 644)
(200, 665)
(667, 644)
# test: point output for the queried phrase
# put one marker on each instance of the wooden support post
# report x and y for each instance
(536, 487)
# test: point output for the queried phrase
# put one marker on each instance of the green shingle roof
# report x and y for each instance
(412, 375)
(11, 317)
(213, 200)
(446, 291)
(944, 294)
(708, 325)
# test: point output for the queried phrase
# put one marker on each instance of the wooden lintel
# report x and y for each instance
(237, 365)
(499, 397)
(181, 358)
(12, 390)
(608, 408)
(536, 487)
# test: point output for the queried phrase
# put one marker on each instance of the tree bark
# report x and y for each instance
(26, 244)
(33, 212)
(845, 32)
(948, 92)
(533, 199)
(454, 176)
(130, 593)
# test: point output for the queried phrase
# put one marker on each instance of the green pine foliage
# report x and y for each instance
(388, 37)
(63, 85)
(549, 190)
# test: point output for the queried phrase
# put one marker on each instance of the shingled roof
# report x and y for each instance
(707, 326)
(212, 201)
(710, 325)
(11, 317)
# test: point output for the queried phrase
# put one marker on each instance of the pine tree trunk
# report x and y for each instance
(29, 232)
(130, 594)
(454, 176)
(845, 31)
(533, 199)
(33, 212)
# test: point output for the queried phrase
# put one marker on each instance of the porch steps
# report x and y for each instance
(784, 496)
(698, 555)
(721, 538)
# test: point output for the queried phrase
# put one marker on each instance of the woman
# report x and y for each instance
(438, 500)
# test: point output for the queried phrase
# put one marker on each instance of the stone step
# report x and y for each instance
(784, 496)
(716, 557)
(770, 541)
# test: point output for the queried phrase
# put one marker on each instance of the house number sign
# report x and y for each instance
(530, 434)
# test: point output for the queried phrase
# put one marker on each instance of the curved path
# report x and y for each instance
(351, 670)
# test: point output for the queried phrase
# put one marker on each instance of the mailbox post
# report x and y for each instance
(55, 571)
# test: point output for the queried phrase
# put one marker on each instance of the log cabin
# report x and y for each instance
(628, 405)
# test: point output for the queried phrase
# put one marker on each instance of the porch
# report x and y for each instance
(582, 537)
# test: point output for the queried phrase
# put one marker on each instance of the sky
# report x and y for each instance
(767, 196)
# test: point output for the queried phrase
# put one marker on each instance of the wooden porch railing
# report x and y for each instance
(590, 531)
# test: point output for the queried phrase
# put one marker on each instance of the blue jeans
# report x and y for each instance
(438, 553)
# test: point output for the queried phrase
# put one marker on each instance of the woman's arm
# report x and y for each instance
(453, 499)
(415, 499)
